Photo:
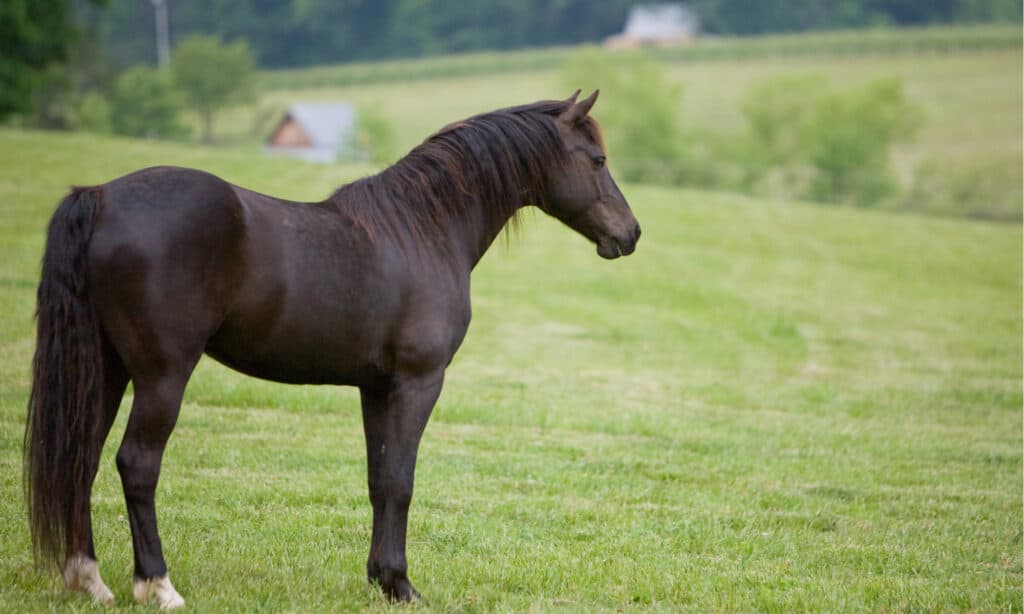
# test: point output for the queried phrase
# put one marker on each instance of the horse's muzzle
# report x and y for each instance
(613, 247)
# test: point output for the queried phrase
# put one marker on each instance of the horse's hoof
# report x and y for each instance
(402, 591)
(157, 591)
(83, 574)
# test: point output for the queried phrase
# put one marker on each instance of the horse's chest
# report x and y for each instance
(428, 339)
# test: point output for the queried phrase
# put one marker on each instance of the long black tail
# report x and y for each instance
(62, 440)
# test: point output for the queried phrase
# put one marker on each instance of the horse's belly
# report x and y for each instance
(302, 337)
(299, 359)
(316, 306)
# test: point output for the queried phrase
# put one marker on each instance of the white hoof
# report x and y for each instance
(83, 574)
(157, 591)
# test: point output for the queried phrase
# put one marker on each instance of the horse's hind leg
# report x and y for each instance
(154, 413)
(81, 569)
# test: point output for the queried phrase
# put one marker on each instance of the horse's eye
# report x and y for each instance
(599, 161)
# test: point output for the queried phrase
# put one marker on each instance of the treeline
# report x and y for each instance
(312, 32)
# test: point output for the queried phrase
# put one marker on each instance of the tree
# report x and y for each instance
(771, 153)
(212, 75)
(375, 137)
(35, 34)
(145, 103)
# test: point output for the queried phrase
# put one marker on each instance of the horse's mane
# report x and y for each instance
(497, 161)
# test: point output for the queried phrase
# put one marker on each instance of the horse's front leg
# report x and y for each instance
(393, 419)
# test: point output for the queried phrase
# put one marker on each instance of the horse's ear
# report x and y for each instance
(575, 114)
(572, 99)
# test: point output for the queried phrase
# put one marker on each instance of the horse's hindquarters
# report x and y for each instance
(165, 263)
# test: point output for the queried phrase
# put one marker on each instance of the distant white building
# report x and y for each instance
(317, 132)
(658, 25)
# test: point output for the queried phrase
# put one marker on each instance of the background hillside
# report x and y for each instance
(970, 98)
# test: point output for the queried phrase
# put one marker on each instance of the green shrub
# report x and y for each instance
(93, 114)
(848, 138)
(53, 99)
(639, 110)
(144, 103)
(375, 137)
(979, 188)
(772, 151)
(803, 139)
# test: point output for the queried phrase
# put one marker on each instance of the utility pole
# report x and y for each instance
(163, 47)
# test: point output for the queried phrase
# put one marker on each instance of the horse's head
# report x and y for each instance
(584, 195)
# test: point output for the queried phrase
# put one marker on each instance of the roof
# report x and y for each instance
(328, 130)
(326, 124)
(658, 21)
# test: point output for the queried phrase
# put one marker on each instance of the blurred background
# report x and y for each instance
(891, 104)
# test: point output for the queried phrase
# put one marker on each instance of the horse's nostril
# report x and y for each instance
(636, 232)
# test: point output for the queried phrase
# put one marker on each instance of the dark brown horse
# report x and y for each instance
(369, 288)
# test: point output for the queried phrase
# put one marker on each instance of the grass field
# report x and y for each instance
(971, 101)
(970, 95)
(770, 406)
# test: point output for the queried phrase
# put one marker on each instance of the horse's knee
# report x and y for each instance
(127, 461)
(377, 493)
(139, 472)
(398, 492)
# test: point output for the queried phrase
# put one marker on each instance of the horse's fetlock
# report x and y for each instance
(81, 573)
(373, 571)
(391, 574)
(158, 591)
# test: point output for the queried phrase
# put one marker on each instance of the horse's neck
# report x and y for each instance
(471, 226)
(478, 229)
(468, 223)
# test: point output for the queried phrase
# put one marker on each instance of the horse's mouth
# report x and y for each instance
(611, 249)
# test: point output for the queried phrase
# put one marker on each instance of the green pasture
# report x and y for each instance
(970, 93)
(770, 406)
(971, 101)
